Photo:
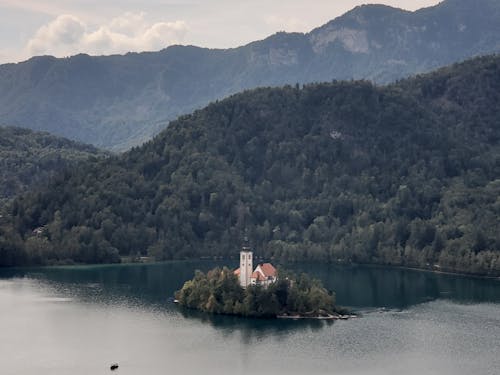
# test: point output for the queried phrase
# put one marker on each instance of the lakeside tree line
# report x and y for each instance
(407, 174)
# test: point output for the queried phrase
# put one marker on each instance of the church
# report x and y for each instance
(264, 274)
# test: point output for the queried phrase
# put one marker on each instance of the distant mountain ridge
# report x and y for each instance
(120, 101)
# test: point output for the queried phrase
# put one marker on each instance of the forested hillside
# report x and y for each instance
(28, 159)
(407, 174)
(117, 102)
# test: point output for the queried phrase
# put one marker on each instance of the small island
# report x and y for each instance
(263, 293)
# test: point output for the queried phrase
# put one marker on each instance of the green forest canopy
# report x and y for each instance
(28, 159)
(406, 174)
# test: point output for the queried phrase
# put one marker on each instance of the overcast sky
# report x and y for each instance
(67, 27)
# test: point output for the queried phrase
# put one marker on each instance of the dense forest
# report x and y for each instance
(219, 292)
(28, 159)
(406, 174)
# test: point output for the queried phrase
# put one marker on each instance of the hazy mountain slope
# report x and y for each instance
(407, 174)
(120, 101)
(28, 159)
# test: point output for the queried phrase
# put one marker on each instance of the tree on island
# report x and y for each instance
(219, 292)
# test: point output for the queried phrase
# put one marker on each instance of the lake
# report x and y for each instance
(79, 320)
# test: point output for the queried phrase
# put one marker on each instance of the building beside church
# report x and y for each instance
(264, 274)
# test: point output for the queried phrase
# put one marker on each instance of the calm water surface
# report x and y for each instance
(79, 320)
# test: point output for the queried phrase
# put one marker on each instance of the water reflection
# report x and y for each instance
(370, 286)
(355, 286)
(255, 328)
(78, 320)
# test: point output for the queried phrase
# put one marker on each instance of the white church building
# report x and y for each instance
(264, 274)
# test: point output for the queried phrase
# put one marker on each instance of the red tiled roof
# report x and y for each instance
(258, 276)
(268, 269)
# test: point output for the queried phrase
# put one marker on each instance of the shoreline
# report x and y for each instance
(281, 316)
(327, 317)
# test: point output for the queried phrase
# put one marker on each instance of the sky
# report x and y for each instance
(103, 27)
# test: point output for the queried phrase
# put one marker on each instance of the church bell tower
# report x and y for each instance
(246, 264)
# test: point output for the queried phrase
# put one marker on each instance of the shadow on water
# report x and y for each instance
(355, 286)
(253, 328)
(372, 286)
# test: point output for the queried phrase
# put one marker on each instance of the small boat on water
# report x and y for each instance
(114, 367)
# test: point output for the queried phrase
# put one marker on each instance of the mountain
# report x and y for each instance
(117, 102)
(28, 159)
(406, 174)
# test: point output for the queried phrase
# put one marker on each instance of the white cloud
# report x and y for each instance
(127, 23)
(64, 32)
(68, 35)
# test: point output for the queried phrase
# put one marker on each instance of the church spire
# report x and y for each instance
(246, 244)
